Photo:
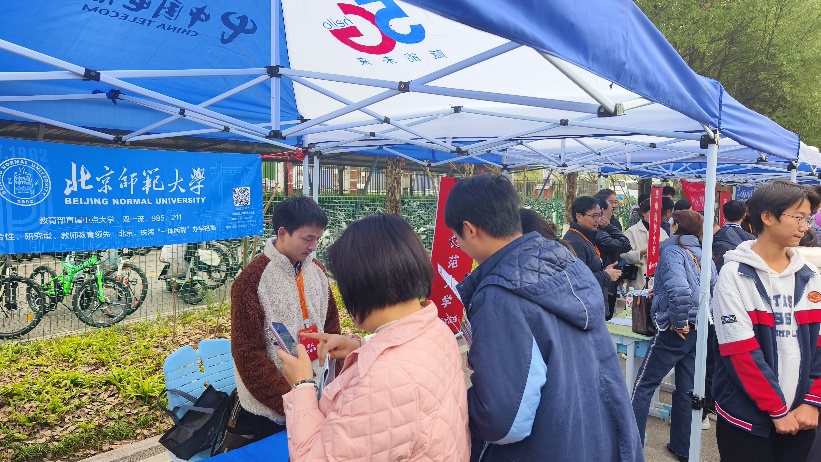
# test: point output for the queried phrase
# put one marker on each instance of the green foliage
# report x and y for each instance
(764, 52)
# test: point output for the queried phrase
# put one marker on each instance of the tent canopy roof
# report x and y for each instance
(511, 83)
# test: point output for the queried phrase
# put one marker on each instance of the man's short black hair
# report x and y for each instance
(605, 193)
(734, 210)
(295, 212)
(668, 191)
(583, 205)
(682, 204)
(776, 197)
(379, 261)
(667, 205)
(489, 202)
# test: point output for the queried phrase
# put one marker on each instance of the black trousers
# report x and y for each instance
(737, 445)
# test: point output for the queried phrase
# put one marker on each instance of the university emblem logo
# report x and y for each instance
(23, 182)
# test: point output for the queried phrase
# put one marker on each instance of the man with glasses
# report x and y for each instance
(592, 242)
(767, 312)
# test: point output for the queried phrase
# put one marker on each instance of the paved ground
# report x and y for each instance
(658, 435)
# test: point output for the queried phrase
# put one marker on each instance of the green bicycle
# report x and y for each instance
(100, 301)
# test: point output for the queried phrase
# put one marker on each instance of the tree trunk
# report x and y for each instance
(393, 186)
(645, 185)
(340, 175)
(571, 181)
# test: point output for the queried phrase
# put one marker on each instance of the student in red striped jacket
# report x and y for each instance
(767, 316)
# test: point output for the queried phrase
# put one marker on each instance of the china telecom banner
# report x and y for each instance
(60, 197)
(654, 242)
(694, 193)
(450, 263)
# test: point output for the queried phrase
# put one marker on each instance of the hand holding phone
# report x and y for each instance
(283, 337)
(621, 264)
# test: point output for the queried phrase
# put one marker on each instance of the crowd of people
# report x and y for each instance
(546, 382)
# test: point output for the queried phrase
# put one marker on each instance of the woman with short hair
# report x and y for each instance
(401, 394)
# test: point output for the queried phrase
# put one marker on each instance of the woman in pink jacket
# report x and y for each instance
(401, 394)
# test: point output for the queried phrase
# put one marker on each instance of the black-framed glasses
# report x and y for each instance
(801, 220)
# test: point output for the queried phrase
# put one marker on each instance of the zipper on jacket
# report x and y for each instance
(484, 448)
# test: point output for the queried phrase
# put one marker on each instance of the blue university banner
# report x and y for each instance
(743, 193)
(60, 197)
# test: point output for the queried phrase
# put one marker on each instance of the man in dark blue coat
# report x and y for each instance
(731, 234)
(546, 382)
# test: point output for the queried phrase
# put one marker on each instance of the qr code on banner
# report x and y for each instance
(242, 196)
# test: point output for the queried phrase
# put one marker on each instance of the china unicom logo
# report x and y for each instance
(23, 181)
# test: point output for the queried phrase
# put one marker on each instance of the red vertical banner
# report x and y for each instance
(694, 193)
(723, 198)
(450, 263)
(654, 231)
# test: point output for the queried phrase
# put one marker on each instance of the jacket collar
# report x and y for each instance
(400, 332)
(280, 260)
(591, 235)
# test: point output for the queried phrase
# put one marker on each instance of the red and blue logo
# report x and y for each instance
(345, 31)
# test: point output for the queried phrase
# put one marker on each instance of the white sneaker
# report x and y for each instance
(705, 424)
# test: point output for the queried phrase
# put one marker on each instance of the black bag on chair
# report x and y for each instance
(201, 425)
(642, 320)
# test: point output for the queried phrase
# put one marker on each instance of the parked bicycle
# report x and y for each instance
(180, 274)
(22, 303)
(100, 300)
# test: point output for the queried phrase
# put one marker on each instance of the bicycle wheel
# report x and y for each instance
(214, 265)
(44, 277)
(22, 306)
(135, 279)
(102, 310)
(192, 292)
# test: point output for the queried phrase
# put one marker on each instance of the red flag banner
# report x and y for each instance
(694, 193)
(450, 263)
(723, 198)
(654, 231)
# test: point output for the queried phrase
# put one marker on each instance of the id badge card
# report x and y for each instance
(309, 343)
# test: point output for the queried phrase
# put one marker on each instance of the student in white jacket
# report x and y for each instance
(639, 237)
(767, 383)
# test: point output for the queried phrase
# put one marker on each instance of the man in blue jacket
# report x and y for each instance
(546, 382)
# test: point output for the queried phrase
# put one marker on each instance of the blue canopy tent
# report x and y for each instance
(508, 83)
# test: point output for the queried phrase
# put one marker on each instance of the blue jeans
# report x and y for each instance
(668, 350)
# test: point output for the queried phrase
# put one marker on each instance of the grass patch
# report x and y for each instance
(68, 398)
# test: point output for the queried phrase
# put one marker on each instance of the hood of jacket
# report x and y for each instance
(744, 254)
(732, 234)
(545, 273)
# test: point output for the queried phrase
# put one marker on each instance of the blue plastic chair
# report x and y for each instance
(192, 371)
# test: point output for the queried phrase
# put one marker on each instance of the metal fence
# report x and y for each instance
(161, 297)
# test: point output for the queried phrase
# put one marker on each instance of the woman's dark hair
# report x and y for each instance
(295, 212)
(379, 261)
(644, 206)
(682, 204)
(583, 205)
(603, 202)
(776, 197)
(534, 221)
(668, 191)
(810, 239)
(489, 202)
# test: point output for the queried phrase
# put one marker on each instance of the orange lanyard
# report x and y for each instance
(300, 285)
(598, 254)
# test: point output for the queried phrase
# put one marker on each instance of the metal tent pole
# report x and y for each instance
(305, 176)
(704, 294)
(316, 179)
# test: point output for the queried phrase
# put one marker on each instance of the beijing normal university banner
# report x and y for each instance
(59, 197)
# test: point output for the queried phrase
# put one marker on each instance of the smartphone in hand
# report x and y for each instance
(621, 264)
(283, 337)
